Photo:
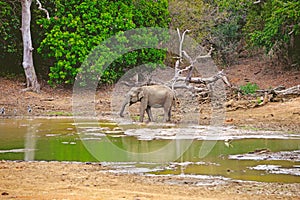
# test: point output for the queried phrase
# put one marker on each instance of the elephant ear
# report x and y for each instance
(141, 94)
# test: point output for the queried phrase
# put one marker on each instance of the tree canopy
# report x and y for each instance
(77, 27)
(10, 35)
(230, 24)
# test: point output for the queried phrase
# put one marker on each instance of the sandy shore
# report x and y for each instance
(57, 180)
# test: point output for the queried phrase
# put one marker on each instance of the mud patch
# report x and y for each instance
(267, 155)
(278, 169)
(203, 133)
(194, 180)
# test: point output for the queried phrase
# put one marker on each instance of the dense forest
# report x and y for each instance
(234, 28)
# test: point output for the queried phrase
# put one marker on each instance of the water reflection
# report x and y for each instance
(30, 141)
(165, 151)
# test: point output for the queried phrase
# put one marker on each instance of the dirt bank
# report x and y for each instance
(284, 116)
(42, 180)
(58, 102)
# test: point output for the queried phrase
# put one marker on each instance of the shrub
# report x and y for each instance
(249, 88)
(78, 27)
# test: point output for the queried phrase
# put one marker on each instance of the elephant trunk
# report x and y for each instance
(123, 107)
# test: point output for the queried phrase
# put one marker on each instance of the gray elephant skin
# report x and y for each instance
(155, 96)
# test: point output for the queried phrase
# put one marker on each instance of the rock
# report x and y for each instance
(4, 193)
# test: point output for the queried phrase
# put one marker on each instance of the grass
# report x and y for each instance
(59, 113)
(249, 88)
(251, 128)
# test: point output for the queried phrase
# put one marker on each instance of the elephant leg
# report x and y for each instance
(169, 115)
(166, 113)
(142, 110)
(149, 112)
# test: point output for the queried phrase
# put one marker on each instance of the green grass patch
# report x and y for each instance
(249, 88)
(59, 113)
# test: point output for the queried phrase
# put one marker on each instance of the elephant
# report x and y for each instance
(155, 96)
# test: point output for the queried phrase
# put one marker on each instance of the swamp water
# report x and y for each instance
(199, 152)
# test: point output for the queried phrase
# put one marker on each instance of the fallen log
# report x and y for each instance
(289, 91)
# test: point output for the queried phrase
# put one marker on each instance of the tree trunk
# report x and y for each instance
(31, 78)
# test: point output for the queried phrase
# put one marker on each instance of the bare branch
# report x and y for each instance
(181, 41)
(257, 2)
(188, 57)
(179, 36)
(179, 59)
(291, 32)
(185, 69)
(208, 55)
(42, 9)
(290, 91)
(208, 80)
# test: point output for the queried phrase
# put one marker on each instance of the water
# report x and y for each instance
(155, 149)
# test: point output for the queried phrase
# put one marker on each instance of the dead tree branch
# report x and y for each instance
(178, 78)
(179, 60)
(181, 39)
(209, 80)
(289, 91)
(282, 91)
(43, 9)
(257, 2)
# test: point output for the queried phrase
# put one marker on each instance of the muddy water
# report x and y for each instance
(197, 152)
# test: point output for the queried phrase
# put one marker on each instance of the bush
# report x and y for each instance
(274, 25)
(249, 88)
(10, 37)
(78, 27)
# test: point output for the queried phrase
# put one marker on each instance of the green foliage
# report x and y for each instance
(78, 27)
(10, 37)
(216, 22)
(227, 33)
(117, 51)
(227, 37)
(229, 24)
(151, 13)
(281, 20)
(191, 15)
(259, 100)
(11, 44)
(249, 88)
(274, 25)
(59, 113)
(9, 26)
